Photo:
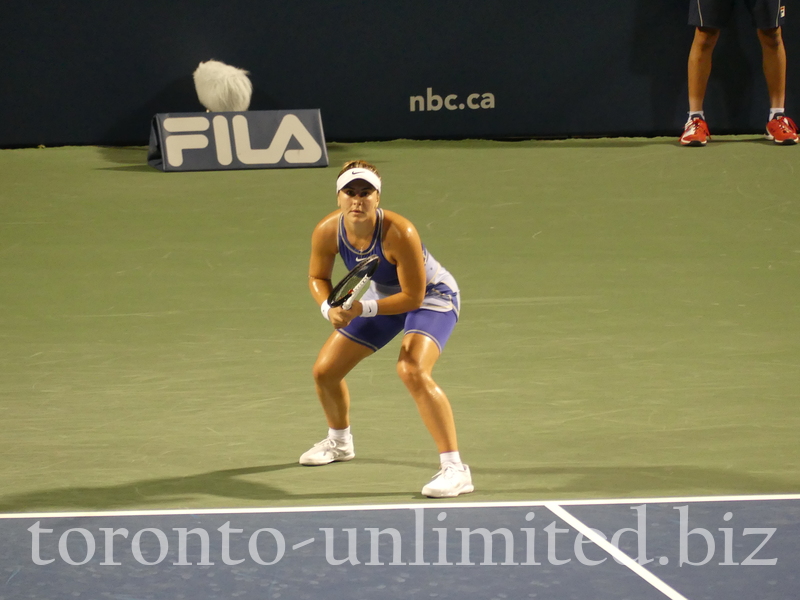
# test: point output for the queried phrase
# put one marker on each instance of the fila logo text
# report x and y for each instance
(188, 133)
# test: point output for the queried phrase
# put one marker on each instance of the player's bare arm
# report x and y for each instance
(323, 256)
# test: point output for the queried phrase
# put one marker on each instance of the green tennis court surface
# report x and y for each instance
(630, 326)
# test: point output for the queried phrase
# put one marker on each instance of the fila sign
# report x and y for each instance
(266, 139)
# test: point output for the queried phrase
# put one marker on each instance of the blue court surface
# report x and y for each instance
(695, 548)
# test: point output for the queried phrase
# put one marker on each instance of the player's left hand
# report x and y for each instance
(341, 318)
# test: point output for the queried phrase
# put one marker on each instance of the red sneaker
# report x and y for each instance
(782, 130)
(696, 133)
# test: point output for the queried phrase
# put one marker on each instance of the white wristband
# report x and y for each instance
(369, 308)
(325, 308)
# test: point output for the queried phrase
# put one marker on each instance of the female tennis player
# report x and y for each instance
(409, 292)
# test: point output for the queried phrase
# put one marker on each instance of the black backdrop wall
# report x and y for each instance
(96, 72)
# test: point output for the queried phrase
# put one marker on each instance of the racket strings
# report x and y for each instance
(353, 282)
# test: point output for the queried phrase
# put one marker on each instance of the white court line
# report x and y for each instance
(620, 556)
(367, 507)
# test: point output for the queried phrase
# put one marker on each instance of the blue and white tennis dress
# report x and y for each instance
(440, 307)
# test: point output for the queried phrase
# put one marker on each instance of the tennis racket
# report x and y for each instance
(346, 291)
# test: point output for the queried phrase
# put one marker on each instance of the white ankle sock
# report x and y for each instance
(698, 113)
(340, 435)
(775, 111)
(450, 458)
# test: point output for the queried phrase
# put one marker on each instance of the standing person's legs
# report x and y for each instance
(699, 66)
(707, 17)
(780, 128)
(773, 55)
(768, 17)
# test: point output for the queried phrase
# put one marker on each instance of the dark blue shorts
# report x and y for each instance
(376, 332)
(766, 14)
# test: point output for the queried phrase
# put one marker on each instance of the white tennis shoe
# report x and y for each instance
(328, 451)
(450, 482)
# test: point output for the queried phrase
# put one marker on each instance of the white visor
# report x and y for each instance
(356, 173)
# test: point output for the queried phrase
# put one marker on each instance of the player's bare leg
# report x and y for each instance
(336, 359)
(705, 39)
(780, 128)
(418, 355)
(773, 55)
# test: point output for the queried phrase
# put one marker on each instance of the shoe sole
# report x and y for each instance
(788, 142)
(693, 144)
(466, 490)
(322, 464)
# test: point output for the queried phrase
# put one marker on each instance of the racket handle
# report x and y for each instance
(348, 304)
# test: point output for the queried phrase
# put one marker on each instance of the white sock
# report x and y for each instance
(450, 458)
(775, 111)
(697, 113)
(340, 435)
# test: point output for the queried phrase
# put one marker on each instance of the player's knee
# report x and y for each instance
(323, 374)
(705, 38)
(410, 372)
(770, 38)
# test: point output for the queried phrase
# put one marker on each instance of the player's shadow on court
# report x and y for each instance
(621, 482)
(535, 483)
(227, 483)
